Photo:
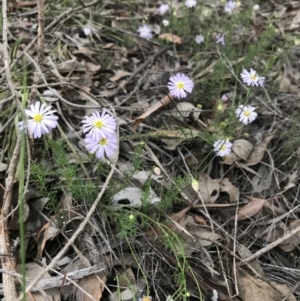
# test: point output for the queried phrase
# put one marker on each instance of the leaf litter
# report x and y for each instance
(244, 201)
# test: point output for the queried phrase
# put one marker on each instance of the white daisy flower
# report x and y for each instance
(179, 84)
(101, 147)
(245, 114)
(163, 9)
(252, 78)
(99, 125)
(222, 147)
(190, 3)
(40, 120)
(199, 39)
(145, 32)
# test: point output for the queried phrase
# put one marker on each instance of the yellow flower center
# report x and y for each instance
(223, 147)
(247, 113)
(180, 85)
(103, 142)
(253, 76)
(38, 118)
(98, 124)
(146, 298)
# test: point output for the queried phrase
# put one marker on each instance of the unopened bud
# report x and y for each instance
(195, 185)
(157, 171)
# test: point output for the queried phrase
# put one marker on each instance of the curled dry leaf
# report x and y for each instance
(233, 191)
(242, 148)
(119, 74)
(170, 37)
(230, 159)
(132, 196)
(258, 151)
(32, 269)
(184, 109)
(244, 253)
(262, 180)
(254, 289)
(291, 243)
(208, 190)
(251, 209)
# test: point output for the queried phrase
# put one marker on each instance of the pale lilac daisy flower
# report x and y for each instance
(252, 78)
(145, 298)
(222, 147)
(245, 114)
(145, 32)
(40, 120)
(190, 3)
(99, 125)
(163, 9)
(224, 97)
(199, 39)
(166, 22)
(230, 6)
(179, 84)
(220, 39)
(101, 147)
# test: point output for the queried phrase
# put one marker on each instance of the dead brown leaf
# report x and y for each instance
(244, 253)
(208, 189)
(251, 209)
(119, 74)
(230, 159)
(93, 285)
(291, 243)
(242, 148)
(233, 191)
(163, 102)
(254, 289)
(258, 151)
(170, 37)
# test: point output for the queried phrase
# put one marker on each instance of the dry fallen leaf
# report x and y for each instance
(119, 74)
(92, 284)
(258, 151)
(244, 253)
(233, 191)
(262, 180)
(242, 148)
(184, 109)
(230, 159)
(291, 243)
(251, 209)
(254, 289)
(170, 37)
(208, 190)
(32, 269)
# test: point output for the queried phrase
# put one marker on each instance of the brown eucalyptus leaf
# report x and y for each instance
(254, 289)
(258, 151)
(251, 209)
(230, 159)
(170, 37)
(293, 242)
(209, 189)
(244, 253)
(233, 191)
(242, 148)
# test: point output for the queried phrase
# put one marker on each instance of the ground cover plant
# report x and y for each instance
(149, 150)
